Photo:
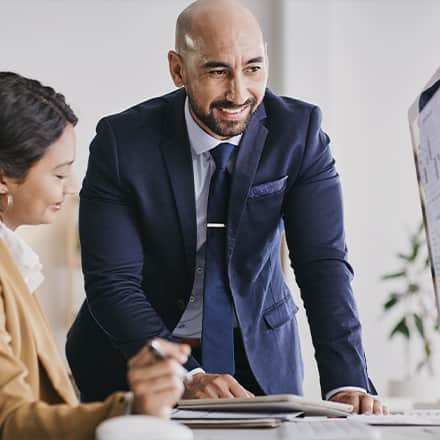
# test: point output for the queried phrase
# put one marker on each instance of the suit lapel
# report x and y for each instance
(249, 153)
(177, 154)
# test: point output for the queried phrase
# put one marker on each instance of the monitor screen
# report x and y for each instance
(424, 119)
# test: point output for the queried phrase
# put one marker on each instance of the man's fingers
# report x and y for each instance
(366, 404)
(222, 388)
(214, 386)
(362, 403)
(226, 394)
(350, 399)
(378, 408)
(354, 401)
(235, 388)
(249, 394)
(221, 384)
(230, 387)
(212, 391)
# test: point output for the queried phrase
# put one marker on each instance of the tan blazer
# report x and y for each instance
(37, 400)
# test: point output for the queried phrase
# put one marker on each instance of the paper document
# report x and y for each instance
(181, 414)
(231, 424)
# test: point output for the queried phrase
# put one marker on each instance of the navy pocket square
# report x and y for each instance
(267, 188)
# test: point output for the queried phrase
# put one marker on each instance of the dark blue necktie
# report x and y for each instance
(217, 330)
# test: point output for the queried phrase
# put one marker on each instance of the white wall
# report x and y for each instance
(362, 61)
(104, 56)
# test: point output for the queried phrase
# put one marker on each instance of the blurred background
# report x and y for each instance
(362, 61)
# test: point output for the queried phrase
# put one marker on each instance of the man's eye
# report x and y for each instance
(61, 177)
(254, 69)
(217, 72)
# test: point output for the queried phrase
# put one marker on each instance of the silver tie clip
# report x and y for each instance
(216, 225)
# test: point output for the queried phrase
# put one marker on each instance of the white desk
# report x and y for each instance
(282, 433)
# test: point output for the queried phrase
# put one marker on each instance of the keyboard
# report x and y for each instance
(406, 418)
(430, 413)
(333, 429)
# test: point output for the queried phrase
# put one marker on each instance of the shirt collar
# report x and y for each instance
(25, 258)
(200, 141)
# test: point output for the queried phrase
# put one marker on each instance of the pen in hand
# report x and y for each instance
(156, 350)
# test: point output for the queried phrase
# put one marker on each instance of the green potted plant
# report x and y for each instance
(411, 303)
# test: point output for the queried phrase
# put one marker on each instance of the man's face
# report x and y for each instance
(225, 77)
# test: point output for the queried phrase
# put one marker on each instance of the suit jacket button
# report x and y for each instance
(180, 304)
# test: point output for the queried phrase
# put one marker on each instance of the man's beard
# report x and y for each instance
(224, 129)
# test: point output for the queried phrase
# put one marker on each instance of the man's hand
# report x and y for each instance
(363, 403)
(157, 385)
(214, 386)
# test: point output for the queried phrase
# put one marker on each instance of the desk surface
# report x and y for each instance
(282, 433)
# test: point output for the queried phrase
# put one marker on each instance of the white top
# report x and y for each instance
(24, 257)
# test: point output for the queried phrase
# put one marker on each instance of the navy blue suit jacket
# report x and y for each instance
(138, 243)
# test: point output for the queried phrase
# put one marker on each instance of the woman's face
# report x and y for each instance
(39, 197)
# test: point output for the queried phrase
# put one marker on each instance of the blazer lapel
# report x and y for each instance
(177, 154)
(249, 153)
(50, 358)
(46, 349)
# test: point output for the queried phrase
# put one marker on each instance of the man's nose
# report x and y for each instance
(237, 90)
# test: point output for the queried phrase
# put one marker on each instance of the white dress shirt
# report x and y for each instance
(203, 166)
(190, 324)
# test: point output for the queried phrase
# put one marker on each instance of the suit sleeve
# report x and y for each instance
(23, 417)
(112, 253)
(317, 249)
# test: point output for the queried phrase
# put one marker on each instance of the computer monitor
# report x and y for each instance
(424, 121)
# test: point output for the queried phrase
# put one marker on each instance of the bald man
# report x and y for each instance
(182, 210)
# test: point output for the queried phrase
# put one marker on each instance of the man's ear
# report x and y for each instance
(3, 184)
(176, 67)
(266, 54)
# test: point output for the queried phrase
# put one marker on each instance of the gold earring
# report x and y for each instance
(10, 200)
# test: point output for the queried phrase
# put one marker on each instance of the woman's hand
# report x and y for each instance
(157, 385)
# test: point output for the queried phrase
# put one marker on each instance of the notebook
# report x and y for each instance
(277, 402)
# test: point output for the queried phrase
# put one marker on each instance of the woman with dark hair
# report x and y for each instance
(37, 400)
